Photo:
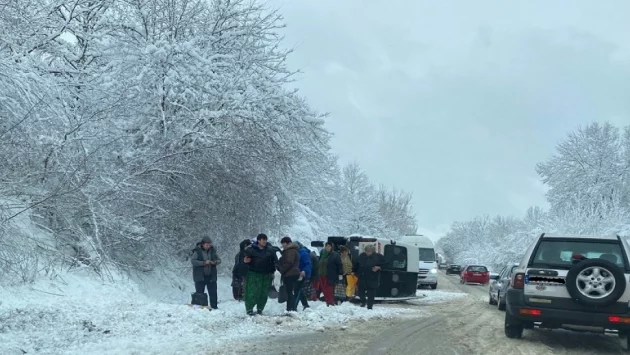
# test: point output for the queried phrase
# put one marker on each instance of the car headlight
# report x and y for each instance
(434, 271)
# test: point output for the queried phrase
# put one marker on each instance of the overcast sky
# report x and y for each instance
(456, 101)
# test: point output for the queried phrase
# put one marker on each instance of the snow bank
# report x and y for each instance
(437, 296)
(77, 314)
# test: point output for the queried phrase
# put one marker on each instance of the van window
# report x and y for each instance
(426, 254)
(396, 257)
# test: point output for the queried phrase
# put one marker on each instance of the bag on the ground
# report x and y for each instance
(282, 294)
(199, 299)
(273, 293)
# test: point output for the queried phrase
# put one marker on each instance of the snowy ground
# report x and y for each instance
(437, 296)
(77, 314)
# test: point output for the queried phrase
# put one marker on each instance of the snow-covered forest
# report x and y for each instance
(130, 128)
(589, 193)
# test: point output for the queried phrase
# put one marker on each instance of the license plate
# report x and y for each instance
(476, 274)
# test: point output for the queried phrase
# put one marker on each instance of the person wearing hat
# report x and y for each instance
(204, 264)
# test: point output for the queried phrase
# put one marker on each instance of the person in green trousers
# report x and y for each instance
(262, 262)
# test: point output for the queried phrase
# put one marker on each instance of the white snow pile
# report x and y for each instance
(78, 314)
(437, 296)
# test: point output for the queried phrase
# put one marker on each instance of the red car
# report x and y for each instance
(477, 274)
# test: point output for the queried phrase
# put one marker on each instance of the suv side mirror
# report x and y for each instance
(494, 277)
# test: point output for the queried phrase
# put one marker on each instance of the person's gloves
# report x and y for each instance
(340, 277)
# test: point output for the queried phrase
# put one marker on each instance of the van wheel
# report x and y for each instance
(513, 328)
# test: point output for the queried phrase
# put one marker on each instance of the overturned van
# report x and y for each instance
(399, 276)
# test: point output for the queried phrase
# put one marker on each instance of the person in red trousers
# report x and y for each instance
(330, 272)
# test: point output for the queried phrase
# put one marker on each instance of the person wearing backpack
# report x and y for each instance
(204, 266)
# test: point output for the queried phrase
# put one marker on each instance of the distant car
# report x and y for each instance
(443, 266)
(499, 286)
(478, 274)
(453, 269)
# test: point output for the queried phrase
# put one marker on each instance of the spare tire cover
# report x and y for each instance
(600, 293)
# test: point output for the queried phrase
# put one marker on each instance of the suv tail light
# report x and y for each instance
(530, 312)
(519, 281)
(617, 319)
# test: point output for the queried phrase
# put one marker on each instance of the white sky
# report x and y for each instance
(456, 101)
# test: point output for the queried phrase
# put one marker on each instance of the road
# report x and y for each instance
(471, 326)
(466, 325)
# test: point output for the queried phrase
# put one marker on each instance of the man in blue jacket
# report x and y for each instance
(305, 267)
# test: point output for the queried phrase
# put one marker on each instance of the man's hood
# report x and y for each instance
(291, 246)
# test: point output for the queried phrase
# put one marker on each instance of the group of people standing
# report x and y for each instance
(304, 274)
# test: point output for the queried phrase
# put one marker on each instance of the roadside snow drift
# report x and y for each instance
(437, 296)
(76, 314)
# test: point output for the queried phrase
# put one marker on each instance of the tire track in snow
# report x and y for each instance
(469, 325)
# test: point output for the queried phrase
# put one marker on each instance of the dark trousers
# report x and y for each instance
(366, 291)
(212, 289)
(301, 290)
(290, 284)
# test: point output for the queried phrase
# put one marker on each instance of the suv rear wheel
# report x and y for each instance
(513, 328)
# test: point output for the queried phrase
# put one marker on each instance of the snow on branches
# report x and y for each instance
(130, 128)
(589, 181)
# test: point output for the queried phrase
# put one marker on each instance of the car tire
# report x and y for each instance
(490, 299)
(604, 265)
(513, 328)
(500, 305)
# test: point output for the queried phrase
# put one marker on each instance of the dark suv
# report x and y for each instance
(571, 282)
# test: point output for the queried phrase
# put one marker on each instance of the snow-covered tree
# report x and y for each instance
(589, 171)
(130, 128)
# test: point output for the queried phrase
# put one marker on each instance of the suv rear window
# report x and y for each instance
(477, 268)
(564, 253)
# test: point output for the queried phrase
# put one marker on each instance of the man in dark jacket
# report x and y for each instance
(262, 260)
(239, 271)
(204, 264)
(368, 270)
(289, 268)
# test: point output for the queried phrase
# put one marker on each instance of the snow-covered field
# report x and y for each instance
(79, 314)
